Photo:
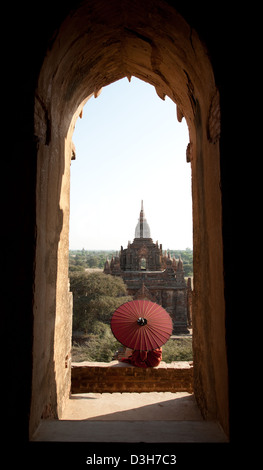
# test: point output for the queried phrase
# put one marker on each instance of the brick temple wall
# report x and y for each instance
(115, 377)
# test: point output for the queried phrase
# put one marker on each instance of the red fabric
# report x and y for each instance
(134, 335)
(145, 358)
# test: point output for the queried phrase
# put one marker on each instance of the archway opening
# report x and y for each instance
(129, 145)
(96, 45)
(143, 264)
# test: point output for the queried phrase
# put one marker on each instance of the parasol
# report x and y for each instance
(141, 325)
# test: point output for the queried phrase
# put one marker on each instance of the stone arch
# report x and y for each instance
(143, 263)
(98, 43)
(143, 258)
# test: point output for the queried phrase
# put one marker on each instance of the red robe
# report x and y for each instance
(144, 358)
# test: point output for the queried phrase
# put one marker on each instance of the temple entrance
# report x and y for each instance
(143, 264)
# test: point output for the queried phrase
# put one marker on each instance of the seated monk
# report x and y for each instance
(144, 358)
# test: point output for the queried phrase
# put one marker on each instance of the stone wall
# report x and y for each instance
(112, 377)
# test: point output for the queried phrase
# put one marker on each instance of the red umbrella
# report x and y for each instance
(141, 325)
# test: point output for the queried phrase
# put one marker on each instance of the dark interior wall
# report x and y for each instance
(32, 31)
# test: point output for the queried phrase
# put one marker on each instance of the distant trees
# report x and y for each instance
(187, 258)
(83, 259)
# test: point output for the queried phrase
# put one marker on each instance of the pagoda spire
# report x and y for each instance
(141, 220)
(142, 228)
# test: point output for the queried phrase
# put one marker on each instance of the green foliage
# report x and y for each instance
(99, 346)
(88, 259)
(178, 350)
(187, 258)
(95, 297)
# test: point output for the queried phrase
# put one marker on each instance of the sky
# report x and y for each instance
(130, 147)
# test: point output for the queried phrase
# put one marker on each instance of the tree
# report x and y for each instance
(95, 297)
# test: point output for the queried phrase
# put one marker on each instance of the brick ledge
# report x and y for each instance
(103, 377)
(162, 365)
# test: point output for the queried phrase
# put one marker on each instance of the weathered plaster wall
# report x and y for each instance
(53, 301)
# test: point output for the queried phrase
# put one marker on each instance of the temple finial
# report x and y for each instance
(142, 228)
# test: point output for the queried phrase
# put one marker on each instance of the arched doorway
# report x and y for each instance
(143, 264)
(96, 45)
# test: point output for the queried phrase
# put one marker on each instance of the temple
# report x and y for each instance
(151, 274)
